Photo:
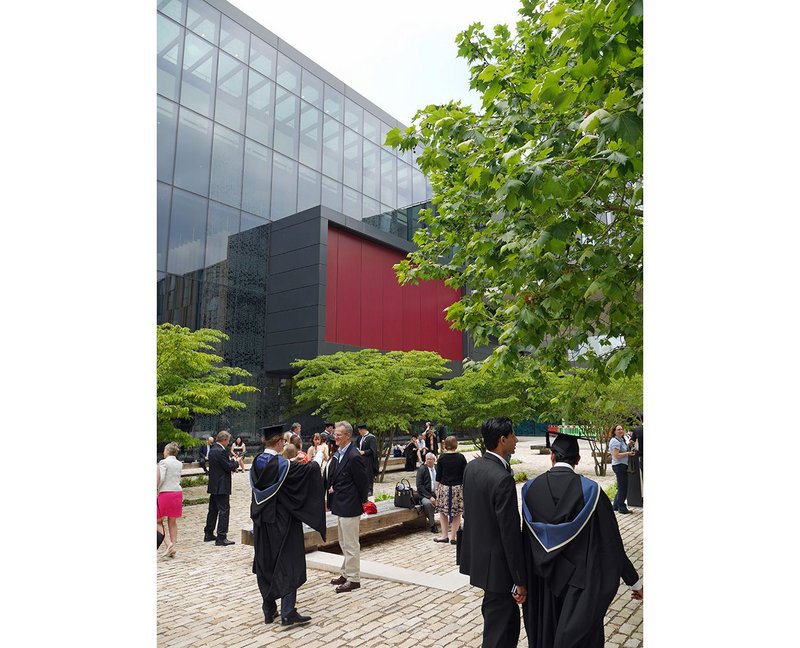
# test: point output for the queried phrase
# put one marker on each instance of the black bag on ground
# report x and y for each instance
(403, 494)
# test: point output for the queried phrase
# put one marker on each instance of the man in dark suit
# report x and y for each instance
(426, 485)
(368, 447)
(346, 486)
(219, 488)
(492, 553)
(204, 450)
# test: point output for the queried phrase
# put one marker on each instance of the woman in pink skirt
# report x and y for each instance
(170, 494)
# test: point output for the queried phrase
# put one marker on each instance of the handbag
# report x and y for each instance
(403, 494)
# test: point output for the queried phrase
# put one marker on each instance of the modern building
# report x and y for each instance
(280, 211)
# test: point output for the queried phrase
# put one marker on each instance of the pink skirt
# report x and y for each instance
(170, 504)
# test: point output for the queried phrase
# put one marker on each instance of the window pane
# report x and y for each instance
(332, 148)
(222, 222)
(175, 9)
(203, 20)
(372, 127)
(371, 207)
(170, 46)
(372, 170)
(312, 89)
(167, 127)
(418, 180)
(231, 92)
(287, 109)
(331, 194)
(260, 108)
(284, 179)
(352, 159)
(351, 203)
(404, 194)
(187, 233)
(310, 136)
(193, 153)
(308, 188)
(353, 115)
(334, 102)
(288, 73)
(257, 178)
(164, 195)
(234, 39)
(226, 167)
(388, 179)
(385, 128)
(199, 75)
(251, 222)
(262, 57)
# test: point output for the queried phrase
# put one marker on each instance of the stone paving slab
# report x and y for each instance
(207, 595)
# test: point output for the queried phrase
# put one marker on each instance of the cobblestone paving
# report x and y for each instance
(207, 595)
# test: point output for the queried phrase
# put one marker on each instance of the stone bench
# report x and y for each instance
(388, 515)
(542, 449)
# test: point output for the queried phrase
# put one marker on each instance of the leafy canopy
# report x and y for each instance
(191, 379)
(539, 195)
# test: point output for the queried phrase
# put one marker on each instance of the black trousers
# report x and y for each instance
(218, 505)
(621, 471)
(500, 621)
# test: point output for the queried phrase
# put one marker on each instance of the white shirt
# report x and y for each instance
(432, 471)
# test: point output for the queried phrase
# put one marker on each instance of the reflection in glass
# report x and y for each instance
(170, 46)
(203, 20)
(222, 222)
(332, 148)
(308, 188)
(287, 109)
(284, 175)
(262, 57)
(334, 103)
(260, 107)
(288, 73)
(351, 203)
(226, 166)
(372, 170)
(353, 115)
(312, 89)
(175, 9)
(404, 194)
(193, 153)
(371, 127)
(388, 181)
(352, 159)
(162, 211)
(231, 92)
(249, 222)
(199, 74)
(167, 127)
(418, 182)
(234, 39)
(257, 178)
(385, 128)
(310, 136)
(371, 207)
(331, 194)
(187, 233)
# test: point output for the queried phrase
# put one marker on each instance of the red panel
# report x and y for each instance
(331, 293)
(429, 318)
(412, 336)
(371, 297)
(450, 342)
(348, 327)
(392, 303)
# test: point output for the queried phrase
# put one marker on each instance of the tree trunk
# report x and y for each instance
(389, 447)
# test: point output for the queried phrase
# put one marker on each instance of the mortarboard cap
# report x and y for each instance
(273, 431)
(362, 426)
(566, 447)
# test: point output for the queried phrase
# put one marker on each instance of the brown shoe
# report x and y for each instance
(347, 587)
(338, 581)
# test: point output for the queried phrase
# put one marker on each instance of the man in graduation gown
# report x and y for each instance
(574, 555)
(285, 495)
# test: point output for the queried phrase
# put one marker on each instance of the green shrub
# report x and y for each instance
(611, 490)
(193, 502)
(383, 496)
(515, 461)
(520, 477)
(188, 482)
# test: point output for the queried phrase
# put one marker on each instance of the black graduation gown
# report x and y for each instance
(570, 586)
(285, 495)
(410, 453)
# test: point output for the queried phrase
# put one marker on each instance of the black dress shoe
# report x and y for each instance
(269, 618)
(349, 586)
(623, 511)
(338, 581)
(453, 542)
(209, 538)
(295, 618)
(224, 542)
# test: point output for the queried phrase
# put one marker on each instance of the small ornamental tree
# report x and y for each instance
(191, 380)
(387, 391)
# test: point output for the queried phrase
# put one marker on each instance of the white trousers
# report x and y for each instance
(351, 547)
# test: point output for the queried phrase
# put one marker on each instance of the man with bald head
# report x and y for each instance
(204, 450)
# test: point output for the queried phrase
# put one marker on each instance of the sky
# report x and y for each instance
(400, 56)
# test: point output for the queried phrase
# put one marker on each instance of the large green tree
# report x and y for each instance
(192, 380)
(387, 391)
(539, 193)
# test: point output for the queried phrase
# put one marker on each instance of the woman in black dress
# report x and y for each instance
(449, 489)
(410, 453)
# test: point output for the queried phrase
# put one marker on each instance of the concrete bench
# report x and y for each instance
(542, 449)
(388, 515)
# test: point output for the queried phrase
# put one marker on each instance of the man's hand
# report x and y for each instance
(520, 594)
(638, 594)
(433, 501)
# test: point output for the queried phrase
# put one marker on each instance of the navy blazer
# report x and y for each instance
(349, 481)
(220, 467)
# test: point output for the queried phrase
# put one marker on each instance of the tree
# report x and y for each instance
(388, 391)
(539, 195)
(191, 380)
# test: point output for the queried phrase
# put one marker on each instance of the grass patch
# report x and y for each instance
(515, 461)
(520, 477)
(188, 482)
(611, 490)
(381, 497)
(196, 501)
(471, 448)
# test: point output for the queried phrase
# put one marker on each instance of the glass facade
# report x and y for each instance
(246, 136)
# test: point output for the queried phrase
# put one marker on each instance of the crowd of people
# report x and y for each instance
(560, 561)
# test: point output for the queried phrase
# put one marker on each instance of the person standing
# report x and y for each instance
(574, 554)
(285, 494)
(368, 448)
(619, 464)
(170, 494)
(204, 450)
(637, 437)
(450, 493)
(426, 487)
(219, 488)
(346, 486)
(491, 550)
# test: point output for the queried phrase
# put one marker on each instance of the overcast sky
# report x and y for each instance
(399, 55)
